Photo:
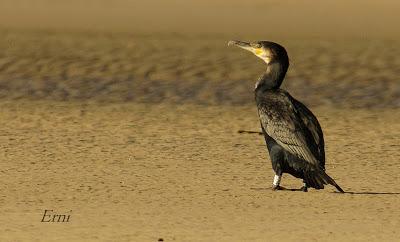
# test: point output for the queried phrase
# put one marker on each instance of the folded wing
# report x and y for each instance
(282, 122)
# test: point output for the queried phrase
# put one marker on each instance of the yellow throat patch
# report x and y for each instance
(259, 51)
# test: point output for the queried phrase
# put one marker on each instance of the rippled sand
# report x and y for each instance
(140, 172)
(199, 69)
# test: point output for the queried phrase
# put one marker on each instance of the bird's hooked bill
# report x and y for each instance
(239, 43)
(245, 45)
(255, 47)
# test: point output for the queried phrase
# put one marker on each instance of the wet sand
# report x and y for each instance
(199, 69)
(140, 172)
(124, 116)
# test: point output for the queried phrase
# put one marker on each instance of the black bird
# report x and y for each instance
(292, 133)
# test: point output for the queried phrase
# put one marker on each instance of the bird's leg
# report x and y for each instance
(276, 184)
(304, 188)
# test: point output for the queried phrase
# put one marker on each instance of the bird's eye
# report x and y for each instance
(256, 45)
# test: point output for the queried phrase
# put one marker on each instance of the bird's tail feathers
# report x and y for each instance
(318, 178)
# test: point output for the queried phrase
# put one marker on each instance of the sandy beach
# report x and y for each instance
(124, 116)
(131, 174)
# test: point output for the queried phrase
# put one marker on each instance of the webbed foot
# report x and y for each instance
(304, 189)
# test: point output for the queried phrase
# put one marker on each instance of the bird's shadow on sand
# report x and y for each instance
(371, 193)
(336, 192)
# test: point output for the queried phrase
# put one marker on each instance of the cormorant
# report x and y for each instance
(292, 133)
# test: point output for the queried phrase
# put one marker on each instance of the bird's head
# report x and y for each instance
(269, 52)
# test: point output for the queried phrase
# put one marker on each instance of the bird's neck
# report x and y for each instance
(272, 77)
